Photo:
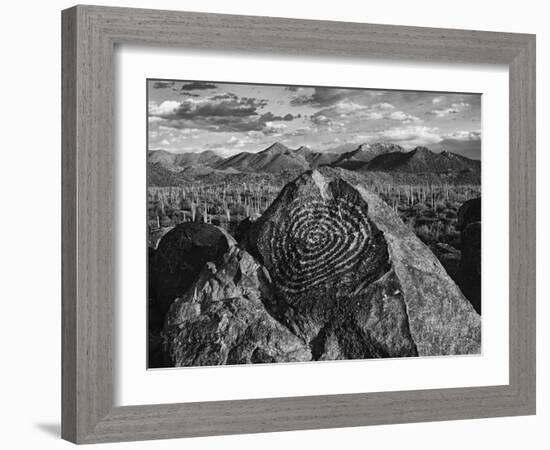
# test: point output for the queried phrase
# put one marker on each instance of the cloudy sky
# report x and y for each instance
(193, 116)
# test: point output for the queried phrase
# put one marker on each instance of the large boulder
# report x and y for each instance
(221, 319)
(180, 256)
(469, 273)
(154, 236)
(349, 278)
(468, 213)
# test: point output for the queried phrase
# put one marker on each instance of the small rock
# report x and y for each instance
(179, 258)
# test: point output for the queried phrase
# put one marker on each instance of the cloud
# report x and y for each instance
(251, 137)
(437, 100)
(320, 119)
(409, 136)
(322, 96)
(276, 125)
(455, 108)
(303, 131)
(274, 128)
(383, 106)
(413, 133)
(347, 110)
(165, 108)
(344, 109)
(197, 86)
(403, 117)
(189, 94)
(225, 112)
(163, 84)
(464, 135)
(466, 143)
(270, 117)
(224, 96)
(208, 107)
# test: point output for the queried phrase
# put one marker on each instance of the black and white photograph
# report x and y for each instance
(293, 224)
(275, 225)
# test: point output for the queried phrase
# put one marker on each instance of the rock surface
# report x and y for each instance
(351, 280)
(156, 235)
(221, 319)
(180, 256)
(468, 213)
(469, 273)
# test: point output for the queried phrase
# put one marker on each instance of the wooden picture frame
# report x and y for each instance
(90, 34)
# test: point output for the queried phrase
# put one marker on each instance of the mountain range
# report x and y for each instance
(378, 157)
(273, 159)
(422, 160)
(176, 162)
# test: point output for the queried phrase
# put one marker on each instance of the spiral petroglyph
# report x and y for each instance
(322, 238)
(320, 241)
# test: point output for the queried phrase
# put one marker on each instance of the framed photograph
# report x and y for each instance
(278, 224)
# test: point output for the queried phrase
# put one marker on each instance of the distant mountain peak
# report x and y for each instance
(449, 154)
(364, 153)
(363, 146)
(379, 148)
(275, 158)
(306, 152)
(277, 147)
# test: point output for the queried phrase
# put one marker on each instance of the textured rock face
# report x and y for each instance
(180, 256)
(468, 213)
(221, 319)
(469, 224)
(441, 320)
(471, 249)
(352, 280)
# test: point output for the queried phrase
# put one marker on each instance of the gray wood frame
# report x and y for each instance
(89, 36)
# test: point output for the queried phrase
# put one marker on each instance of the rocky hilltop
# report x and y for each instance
(422, 160)
(178, 161)
(275, 158)
(316, 159)
(364, 153)
(329, 271)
